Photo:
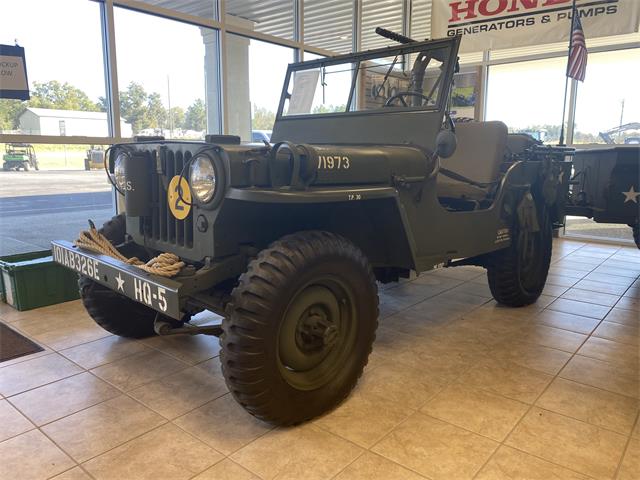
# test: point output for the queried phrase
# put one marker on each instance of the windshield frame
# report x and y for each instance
(355, 60)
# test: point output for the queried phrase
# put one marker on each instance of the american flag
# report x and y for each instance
(577, 64)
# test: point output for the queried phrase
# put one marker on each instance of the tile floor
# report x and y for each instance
(457, 387)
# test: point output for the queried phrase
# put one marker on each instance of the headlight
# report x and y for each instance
(202, 178)
(118, 171)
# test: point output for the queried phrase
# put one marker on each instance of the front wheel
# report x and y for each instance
(300, 327)
(116, 313)
(517, 274)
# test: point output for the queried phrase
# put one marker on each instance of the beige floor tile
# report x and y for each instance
(435, 448)
(64, 397)
(573, 444)
(190, 349)
(75, 473)
(554, 290)
(592, 405)
(181, 392)
(105, 350)
(614, 378)
(567, 321)
(623, 317)
(567, 272)
(390, 381)
(535, 357)
(619, 333)
(608, 279)
(153, 456)
(370, 466)
(636, 430)
(507, 379)
(226, 470)
(34, 373)
(551, 337)
(609, 351)
(630, 467)
(70, 336)
(629, 303)
(223, 424)
(477, 410)
(49, 318)
(353, 419)
(31, 456)
(561, 280)
(446, 358)
(131, 372)
(580, 308)
(293, 453)
(588, 296)
(511, 464)
(12, 422)
(104, 426)
(599, 286)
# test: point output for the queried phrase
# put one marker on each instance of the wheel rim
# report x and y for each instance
(317, 333)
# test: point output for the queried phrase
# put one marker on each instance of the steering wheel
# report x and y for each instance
(400, 96)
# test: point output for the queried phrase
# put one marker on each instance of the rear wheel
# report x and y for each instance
(300, 327)
(636, 232)
(517, 275)
(116, 313)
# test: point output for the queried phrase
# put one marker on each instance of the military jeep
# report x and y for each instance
(288, 240)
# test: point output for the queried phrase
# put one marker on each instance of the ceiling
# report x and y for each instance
(328, 24)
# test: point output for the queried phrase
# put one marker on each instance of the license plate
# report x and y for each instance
(159, 293)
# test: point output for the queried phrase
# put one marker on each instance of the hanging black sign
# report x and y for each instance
(13, 73)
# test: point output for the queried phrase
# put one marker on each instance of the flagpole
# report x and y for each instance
(574, 12)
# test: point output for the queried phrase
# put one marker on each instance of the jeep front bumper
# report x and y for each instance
(159, 293)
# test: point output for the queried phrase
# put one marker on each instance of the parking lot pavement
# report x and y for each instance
(37, 207)
(19, 184)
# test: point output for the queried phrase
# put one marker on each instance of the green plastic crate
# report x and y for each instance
(32, 280)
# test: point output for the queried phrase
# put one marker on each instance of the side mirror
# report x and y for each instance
(446, 143)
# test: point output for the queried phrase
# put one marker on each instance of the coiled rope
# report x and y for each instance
(165, 265)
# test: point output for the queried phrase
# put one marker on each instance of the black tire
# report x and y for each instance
(636, 232)
(517, 274)
(116, 313)
(300, 327)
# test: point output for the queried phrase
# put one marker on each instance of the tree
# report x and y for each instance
(196, 116)
(10, 111)
(156, 113)
(328, 108)
(64, 96)
(133, 106)
(175, 117)
(263, 119)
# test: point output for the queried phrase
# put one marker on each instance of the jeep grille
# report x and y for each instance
(164, 228)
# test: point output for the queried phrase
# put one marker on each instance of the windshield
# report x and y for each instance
(408, 77)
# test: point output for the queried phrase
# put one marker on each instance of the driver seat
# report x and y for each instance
(478, 156)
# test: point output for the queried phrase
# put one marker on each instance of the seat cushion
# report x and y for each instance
(478, 156)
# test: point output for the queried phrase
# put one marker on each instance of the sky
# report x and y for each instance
(62, 42)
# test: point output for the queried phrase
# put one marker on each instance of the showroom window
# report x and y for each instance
(255, 74)
(602, 108)
(54, 202)
(164, 88)
(64, 66)
(528, 96)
